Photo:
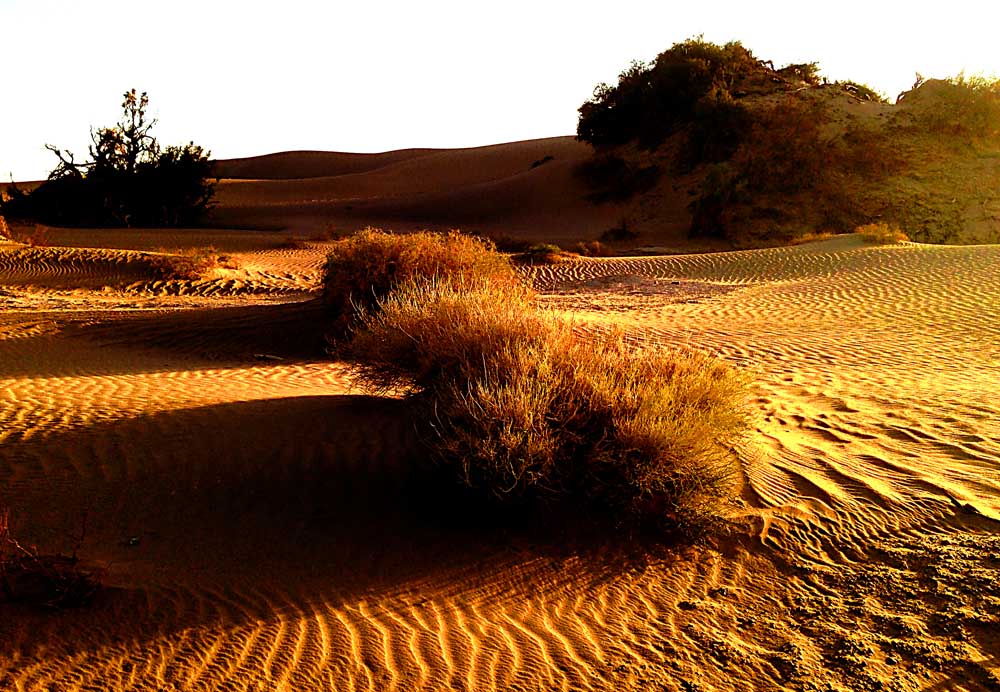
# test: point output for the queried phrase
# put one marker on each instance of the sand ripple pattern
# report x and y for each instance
(268, 528)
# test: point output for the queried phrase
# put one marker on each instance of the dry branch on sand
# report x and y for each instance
(49, 580)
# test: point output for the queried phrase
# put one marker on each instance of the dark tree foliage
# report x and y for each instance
(128, 181)
(689, 82)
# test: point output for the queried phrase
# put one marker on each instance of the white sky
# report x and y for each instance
(247, 78)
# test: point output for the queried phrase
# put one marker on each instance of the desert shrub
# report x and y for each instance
(525, 409)
(881, 233)
(787, 150)
(720, 126)
(35, 236)
(362, 269)
(861, 91)
(613, 179)
(129, 180)
(49, 580)
(292, 244)
(190, 264)
(807, 72)
(620, 233)
(542, 253)
(542, 161)
(593, 248)
(961, 105)
(652, 101)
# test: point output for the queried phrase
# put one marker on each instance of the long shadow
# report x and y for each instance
(219, 337)
(243, 512)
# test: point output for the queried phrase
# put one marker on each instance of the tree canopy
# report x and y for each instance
(129, 180)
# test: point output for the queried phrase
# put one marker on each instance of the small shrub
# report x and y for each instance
(593, 248)
(807, 72)
(49, 580)
(292, 244)
(542, 253)
(620, 233)
(862, 91)
(190, 264)
(613, 179)
(503, 242)
(362, 269)
(882, 233)
(542, 161)
(524, 409)
(963, 106)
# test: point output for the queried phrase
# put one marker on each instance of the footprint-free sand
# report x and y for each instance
(264, 525)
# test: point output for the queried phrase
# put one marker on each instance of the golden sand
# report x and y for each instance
(264, 527)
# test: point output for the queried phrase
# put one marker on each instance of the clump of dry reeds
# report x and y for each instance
(190, 264)
(49, 580)
(364, 268)
(882, 233)
(525, 409)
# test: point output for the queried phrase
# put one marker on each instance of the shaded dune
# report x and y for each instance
(503, 188)
(310, 164)
(290, 536)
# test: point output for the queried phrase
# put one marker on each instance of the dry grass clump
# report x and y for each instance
(882, 233)
(525, 409)
(49, 580)
(362, 269)
(190, 264)
(543, 253)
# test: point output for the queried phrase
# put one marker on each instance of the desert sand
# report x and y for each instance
(265, 525)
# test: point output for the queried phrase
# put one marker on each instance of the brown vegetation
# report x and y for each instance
(524, 409)
(882, 233)
(190, 264)
(364, 268)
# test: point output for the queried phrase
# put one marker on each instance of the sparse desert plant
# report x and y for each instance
(523, 408)
(542, 253)
(593, 248)
(961, 105)
(622, 232)
(37, 236)
(881, 233)
(291, 243)
(861, 91)
(362, 269)
(613, 179)
(190, 264)
(49, 580)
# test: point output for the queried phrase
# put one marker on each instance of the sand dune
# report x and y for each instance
(509, 188)
(267, 526)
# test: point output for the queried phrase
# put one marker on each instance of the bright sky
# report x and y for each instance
(244, 78)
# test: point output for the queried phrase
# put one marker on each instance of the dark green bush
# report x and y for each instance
(652, 101)
(129, 181)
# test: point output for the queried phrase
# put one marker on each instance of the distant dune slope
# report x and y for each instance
(510, 188)
(310, 164)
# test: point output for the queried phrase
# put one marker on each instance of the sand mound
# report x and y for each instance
(266, 526)
(526, 189)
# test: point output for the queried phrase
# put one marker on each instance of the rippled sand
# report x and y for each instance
(264, 525)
